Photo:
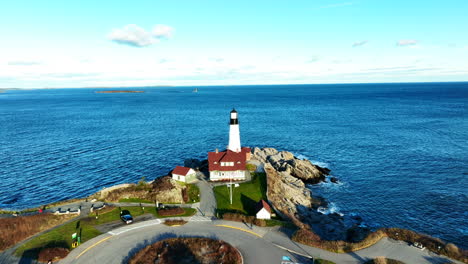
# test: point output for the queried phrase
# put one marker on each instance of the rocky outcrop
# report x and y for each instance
(287, 192)
(166, 190)
(284, 161)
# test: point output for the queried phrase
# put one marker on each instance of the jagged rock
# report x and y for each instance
(286, 193)
(306, 171)
(284, 161)
(334, 180)
(261, 154)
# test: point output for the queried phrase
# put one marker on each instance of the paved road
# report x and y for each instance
(207, 199)
(256, 244)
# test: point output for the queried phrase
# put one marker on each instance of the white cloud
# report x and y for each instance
(23, 63)
(162, 31)
(360, 43)
(136, 36)
(407, 42)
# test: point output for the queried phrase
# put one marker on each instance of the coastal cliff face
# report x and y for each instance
(287, 177)
(284, 161)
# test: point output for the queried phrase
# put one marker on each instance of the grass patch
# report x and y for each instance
(16, 229)
(134, 200)
(193, 193)
(187, 212)
(244, 197)
(323, 261)
(61, 237)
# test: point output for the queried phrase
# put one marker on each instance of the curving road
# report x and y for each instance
(257, 245)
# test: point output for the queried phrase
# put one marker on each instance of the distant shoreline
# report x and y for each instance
(120, 91)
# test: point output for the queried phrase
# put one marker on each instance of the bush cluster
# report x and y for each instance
(433, 244)
(308, 237)
(15, 229)
(53, 254)
(174, 222)
(244, 218)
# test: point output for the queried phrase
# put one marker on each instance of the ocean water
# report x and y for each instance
(399, 150)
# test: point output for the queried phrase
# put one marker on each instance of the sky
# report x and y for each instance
(66, 44)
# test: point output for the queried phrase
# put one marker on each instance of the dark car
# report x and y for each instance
(126, 216)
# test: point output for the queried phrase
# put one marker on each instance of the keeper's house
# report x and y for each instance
(183, 174)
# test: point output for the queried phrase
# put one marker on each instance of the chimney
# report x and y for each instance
(216, 150)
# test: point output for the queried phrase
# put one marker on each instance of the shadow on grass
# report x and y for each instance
(249, 204)
(31, 255)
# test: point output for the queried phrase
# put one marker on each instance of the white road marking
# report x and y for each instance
(198, 218)
(133, 227)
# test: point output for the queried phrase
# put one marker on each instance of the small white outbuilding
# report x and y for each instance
(183, 174)
(263, 210)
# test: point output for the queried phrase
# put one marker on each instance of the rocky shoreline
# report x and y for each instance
(287, 179)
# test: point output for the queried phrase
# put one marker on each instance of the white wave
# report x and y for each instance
(315, 162)
(331, 209)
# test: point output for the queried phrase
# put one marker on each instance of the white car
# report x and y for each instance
(419, 245)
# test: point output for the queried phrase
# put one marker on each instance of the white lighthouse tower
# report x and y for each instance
(234, 137)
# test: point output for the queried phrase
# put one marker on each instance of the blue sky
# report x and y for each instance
(111, 43)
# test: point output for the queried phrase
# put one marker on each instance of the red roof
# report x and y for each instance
(179, 170)
(237, 158)
(262, 204)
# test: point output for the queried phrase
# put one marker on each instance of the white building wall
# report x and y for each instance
(263, 214)
(178, 177)
(227, 175)
(234, 138)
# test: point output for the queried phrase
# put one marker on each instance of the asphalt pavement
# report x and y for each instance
(256, 244)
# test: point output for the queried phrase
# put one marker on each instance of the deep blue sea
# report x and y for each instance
(399, 150)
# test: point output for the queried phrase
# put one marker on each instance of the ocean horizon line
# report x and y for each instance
(233, 85)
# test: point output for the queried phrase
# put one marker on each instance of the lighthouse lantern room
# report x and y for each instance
(234, 136)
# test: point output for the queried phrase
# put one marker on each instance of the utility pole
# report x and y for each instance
(230, 185)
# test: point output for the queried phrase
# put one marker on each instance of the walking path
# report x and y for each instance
(207, 199)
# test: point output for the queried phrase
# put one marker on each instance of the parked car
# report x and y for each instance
(126, 216)
(419, 245)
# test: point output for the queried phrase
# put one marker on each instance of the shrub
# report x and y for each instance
(188, 250)
(174, 222)
(251, 167)
(185, 195)
(244, 218)
(16, 229)
(308, 237)
(433, 244)
(53, 254)
(172, 211)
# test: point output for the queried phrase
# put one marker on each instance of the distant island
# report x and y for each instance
(120, 91)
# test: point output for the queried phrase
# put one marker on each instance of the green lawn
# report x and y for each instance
(188, 212)
(244, 197)
(134, 200)
(61, 236)
(193, 193)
